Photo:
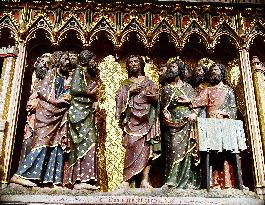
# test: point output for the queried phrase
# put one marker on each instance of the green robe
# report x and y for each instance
(81, 117)
(180, 142)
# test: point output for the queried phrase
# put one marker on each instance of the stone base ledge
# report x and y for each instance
(17, 194)
(62, 199)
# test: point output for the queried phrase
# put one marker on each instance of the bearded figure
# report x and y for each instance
(178, 121)
(218, 100)
(41, 66)
(82, 171)
(44, 163)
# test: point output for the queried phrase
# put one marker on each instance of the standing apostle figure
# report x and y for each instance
(137, 110)
(83, 161)
(180, 141)
(44, 163)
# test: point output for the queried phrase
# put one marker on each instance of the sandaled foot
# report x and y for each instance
(24, 182)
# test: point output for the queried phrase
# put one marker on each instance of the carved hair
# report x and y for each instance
(142, 63)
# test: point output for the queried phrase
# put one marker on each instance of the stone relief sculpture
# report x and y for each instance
(83, 163)
(181, 148)
(137, 110)
(61, 146)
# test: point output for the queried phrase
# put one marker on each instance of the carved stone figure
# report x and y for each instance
(83, 160)
(44, 164)
(219, 99)
(42, 65)
(199, 83)
(137, 110)
(180, 143)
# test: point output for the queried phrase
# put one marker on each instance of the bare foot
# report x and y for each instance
(146, 184)
(24, 182)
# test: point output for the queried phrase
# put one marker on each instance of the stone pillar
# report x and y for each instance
(253, 121)
(258, 70)
(9, 54)
(11, 88)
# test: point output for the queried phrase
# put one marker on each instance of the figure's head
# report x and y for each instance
(199, 74)
(42, 65)
(187, 76)
(88, 59)
(135, 65)
(65, 63)
(175, 69)
(73, 59)
(216, 74)
(162, 72)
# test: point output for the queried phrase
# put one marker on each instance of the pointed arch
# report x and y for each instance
(103, 26)
(72, 25)
(256, 31)
(7, 23)
(40, 23)
(225, 30)
(164, 28)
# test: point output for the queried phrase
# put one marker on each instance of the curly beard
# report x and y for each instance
(41, 72)
(170, 75)
(215, 79)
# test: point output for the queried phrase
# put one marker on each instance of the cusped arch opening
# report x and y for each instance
(102, 45)
(257, 48)
(133, 45)
(225, 50)
(71, 41)
(194, 49)
(163, 48)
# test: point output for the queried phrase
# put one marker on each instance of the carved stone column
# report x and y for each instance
(9, 54)
(12, 82)
(258, 70)
(253, 121)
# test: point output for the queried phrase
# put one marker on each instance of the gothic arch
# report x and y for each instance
(133, 27)
(257, 30)
(225, 30)
(164, 28)
(35, 30)
(197, 33)
(79, 32)
(7, 23)
(111, 36)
